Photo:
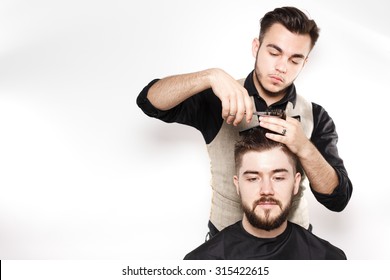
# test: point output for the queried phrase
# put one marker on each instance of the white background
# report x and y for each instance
(84, 174)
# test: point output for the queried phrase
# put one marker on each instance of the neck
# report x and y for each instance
(263, 233)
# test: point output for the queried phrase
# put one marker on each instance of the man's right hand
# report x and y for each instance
(236, 103)
(171, 91)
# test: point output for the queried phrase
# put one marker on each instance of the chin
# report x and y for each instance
(274, 89)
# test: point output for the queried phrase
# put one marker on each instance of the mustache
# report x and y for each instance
(265, 199)
(278, 75)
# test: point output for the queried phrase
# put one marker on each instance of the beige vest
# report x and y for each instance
(225, 206)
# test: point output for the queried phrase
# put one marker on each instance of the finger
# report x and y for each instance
(225, 108)
(276, 137)
(232, 110)
(292, 120)
(230, 119)
(273, 120)
(248, 107)
(274, 127)
(240, 113)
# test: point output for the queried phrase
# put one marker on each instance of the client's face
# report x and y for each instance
(266, 183)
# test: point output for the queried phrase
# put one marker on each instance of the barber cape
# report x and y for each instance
(295, 243)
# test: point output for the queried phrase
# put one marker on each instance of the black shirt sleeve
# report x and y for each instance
(325, 138)
(202, 111)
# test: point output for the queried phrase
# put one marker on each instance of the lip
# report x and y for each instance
(276, 78)
(267, 204)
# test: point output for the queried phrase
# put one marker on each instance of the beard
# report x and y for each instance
(266, 222)
(265, 91)
(258, 76)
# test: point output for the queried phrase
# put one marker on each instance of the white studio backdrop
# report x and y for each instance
(84, 174)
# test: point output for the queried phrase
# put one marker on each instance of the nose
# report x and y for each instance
(266, 187)
(281, 65)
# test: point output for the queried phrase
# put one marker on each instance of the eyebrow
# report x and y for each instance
(278, 170)
(250, 172)
(297, 55)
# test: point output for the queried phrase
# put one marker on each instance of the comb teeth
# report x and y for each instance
(275, 112)
(272, 112)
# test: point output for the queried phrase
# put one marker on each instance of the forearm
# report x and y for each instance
(171, 91)
(321, 175)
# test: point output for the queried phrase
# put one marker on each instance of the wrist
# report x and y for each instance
(212, 75)
(306, 151)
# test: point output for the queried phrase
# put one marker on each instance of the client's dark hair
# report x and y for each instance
(255, 140)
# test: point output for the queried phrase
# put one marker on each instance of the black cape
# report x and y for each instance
(295, 243)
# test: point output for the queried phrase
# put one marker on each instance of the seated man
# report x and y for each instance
(268, 176)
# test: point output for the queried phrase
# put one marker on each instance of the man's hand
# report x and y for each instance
(288, 132)
(236, 103)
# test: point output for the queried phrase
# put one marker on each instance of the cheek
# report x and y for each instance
(264, 62)
(293, 72)
(248, 194)
(286, 197)
(285, 191)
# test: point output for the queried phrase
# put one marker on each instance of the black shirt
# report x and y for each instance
(295, 243)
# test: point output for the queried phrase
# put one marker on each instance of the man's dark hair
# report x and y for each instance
(255, 140)
(293, 19)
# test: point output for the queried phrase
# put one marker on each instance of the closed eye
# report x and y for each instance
(252, 179)
(296, 61)
(297, 58)
(280, 174)
(279, 178)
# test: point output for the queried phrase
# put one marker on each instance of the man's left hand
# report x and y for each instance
(288, 132)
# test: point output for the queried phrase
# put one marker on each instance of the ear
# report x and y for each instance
(297, 182)
(255, 47)
(306, 60)
(235, 181)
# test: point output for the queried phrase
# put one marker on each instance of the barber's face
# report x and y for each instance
(279, 59)
(266, 184)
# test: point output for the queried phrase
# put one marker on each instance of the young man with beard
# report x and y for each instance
(267, 178)
(219, 106)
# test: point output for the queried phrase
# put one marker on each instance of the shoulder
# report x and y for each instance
(317, 109)
(319, 112)
(323, 122)
(319, 248)
(213, 249)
